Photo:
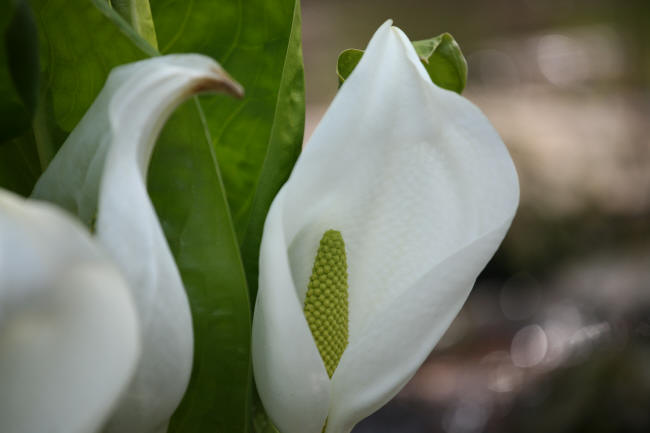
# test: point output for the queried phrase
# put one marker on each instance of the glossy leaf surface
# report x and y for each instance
(257, 139)
(186, 188)
(79, 59)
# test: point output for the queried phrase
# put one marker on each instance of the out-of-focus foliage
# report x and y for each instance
(18, 69)
(19, 80)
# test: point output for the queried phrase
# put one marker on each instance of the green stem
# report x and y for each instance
(138, 14)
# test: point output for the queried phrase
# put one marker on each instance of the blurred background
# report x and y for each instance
(555, 337)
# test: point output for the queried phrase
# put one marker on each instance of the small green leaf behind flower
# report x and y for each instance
(348, 60)
(441, 57)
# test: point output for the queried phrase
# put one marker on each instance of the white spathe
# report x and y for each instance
(69, 341)
(423, 191)
(100, 175)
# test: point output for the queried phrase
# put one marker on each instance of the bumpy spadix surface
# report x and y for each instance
(326, 301)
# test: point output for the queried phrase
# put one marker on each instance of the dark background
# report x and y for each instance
(555, 336)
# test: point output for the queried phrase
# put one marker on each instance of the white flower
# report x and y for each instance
(422, 191)
(99, 174)
(68, 329)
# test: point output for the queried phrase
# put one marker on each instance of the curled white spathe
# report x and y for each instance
(423, 191)
(69, 340)
(99, 174)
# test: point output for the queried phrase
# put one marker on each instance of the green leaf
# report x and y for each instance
(187, 192)
(441, 57)
(80, 47)
(258, 139)
(348, 60)
(19, 69)
(444, 61)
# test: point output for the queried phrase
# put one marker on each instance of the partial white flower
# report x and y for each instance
(422, 191)
(68, 329)
(100, 175)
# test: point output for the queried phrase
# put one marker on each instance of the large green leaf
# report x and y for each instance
(258, 139)
(80, 47)
(441, 57)
(186, 188)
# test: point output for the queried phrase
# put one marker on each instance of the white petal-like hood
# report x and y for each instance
(423, 191)
(100, 173)
(68, 329)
